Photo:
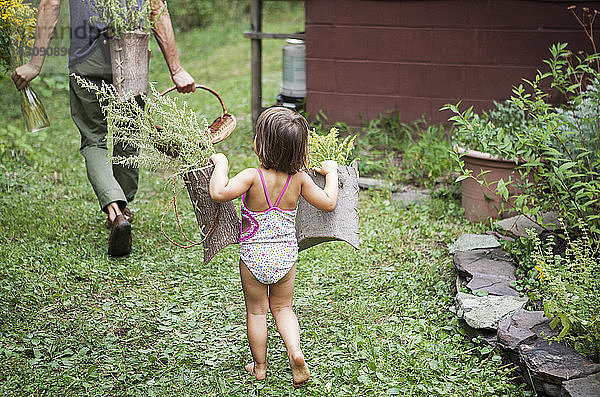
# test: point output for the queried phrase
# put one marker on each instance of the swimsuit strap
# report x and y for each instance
(262, 180)
(283, 191)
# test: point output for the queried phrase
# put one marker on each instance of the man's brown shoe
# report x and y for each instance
(126, 213)
(119, 242)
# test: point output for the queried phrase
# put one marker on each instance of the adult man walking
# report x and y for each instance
(89, 57)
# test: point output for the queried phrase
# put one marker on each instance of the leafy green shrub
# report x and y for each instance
(553, 177)
(426, 152)
(581, 127)
(495, 132)
(385, 132)
(188, 15)
(570, 289)
(191, 14)
(415, 152)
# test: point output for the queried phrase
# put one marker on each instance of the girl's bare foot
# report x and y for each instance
(258, 370)
(300, 372)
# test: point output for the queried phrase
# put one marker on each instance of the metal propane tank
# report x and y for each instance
(293, 84)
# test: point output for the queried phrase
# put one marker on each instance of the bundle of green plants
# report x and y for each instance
(168, 133)
(330, 147)
(122, 15)
(570, 290)
(554, 176)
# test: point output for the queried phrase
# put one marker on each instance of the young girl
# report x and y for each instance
(268, 245)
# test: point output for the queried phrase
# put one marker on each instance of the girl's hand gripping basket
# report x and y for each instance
(314, 226)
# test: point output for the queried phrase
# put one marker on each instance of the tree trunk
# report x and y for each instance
(129, 60)
(314, 226)
(218, 222)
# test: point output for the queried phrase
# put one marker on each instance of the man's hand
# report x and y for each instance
(47, 17)
(327, 167)
(24, 74)
(183, 81)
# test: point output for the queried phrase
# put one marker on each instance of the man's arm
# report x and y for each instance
(47, 18)
(163, 31)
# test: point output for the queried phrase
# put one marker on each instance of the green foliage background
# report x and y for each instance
(201, 13)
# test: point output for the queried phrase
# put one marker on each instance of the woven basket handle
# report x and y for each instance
(220, 128)
(215, 93)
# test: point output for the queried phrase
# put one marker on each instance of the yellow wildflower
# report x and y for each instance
(541, 272)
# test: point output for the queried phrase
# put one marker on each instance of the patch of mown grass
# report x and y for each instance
(75, 322)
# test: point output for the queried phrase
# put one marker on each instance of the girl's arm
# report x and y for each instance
(223, 189)
(323, 199)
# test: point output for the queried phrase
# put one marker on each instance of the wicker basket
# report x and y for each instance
(220, 128)
(314, 226)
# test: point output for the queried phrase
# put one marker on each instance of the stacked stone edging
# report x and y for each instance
(494, 311)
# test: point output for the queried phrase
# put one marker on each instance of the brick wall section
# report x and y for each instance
(365, 57)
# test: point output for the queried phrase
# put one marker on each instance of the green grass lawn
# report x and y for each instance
(75, 322)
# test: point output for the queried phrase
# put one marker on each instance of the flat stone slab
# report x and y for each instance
(485, 312)
(523, 326)
(582, 387)
(551, 364)
(486, 272)
(480, 264)
(411, 196)
(496, 254)
(372, 183)
(468, 242)
(492, 286)
(519, 224)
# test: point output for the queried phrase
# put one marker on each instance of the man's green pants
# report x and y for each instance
(111, 182)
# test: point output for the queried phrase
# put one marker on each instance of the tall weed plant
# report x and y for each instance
(426, 151)
(570, 290)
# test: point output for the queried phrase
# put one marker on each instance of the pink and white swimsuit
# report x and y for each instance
(268, 246)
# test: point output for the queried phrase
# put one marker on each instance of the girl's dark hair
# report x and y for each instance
(282, 140)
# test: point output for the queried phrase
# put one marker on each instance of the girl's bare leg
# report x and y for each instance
(257, 305)
(280, 302)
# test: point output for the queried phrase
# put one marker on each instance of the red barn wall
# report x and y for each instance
(365, 57)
